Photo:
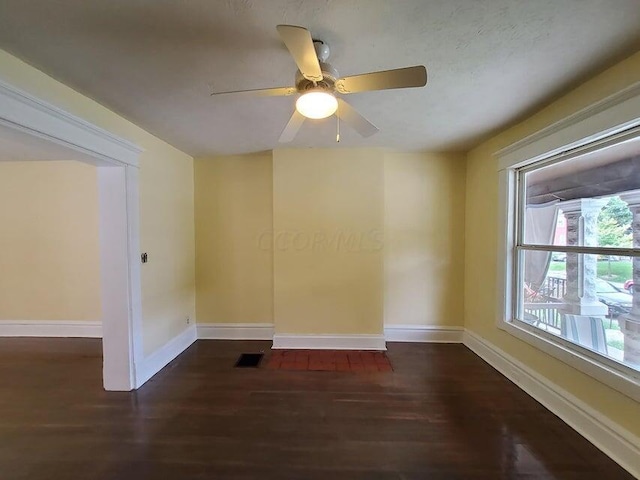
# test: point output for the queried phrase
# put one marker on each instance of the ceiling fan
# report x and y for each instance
(318, 82)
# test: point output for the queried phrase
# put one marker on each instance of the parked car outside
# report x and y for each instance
(628, 285)
(617, 299)
(559, 257)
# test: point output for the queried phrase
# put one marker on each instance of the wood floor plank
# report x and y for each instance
(442, 414)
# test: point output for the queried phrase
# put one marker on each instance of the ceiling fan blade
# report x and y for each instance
(260, 92)
(290, 131)
(300, 44)
(356, 121)
(399, 78)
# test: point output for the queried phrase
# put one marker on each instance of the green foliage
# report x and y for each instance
(617, 272)
(614, 224)
(611, 234)
(557, 267)
(616, 343)
(613, 271)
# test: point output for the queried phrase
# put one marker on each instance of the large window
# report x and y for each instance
(576, 252)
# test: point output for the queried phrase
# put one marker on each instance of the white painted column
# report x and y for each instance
(630, 324)
(120, 275)
(582, 270)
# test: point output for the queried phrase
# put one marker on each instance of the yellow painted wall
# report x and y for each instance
(421, 236)
(166, 205)
(481, 237)
(234, 259)
(167, 235)
(424, 238)
(49, 246)
(328, 218)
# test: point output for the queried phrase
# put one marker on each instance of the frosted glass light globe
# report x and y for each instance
(317, 104)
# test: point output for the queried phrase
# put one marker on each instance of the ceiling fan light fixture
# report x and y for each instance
(317, 104)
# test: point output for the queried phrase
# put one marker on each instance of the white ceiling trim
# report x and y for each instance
(24, 112)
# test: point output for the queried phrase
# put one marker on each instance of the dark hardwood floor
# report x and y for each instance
(442, 414)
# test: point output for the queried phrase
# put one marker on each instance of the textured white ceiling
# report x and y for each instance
(489, 61)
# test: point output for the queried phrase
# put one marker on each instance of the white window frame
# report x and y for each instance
(612, 120)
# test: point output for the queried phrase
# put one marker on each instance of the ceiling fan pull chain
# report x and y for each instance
(337, 127)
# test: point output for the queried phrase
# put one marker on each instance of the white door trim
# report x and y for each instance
(117, 160)
(22, 111)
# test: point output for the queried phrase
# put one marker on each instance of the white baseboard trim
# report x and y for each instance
(619, 444)
(159, 359)
(423, 333)
(328, 342)
(50, 328)
(235, 331)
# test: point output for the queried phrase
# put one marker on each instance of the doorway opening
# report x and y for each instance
(32, 130)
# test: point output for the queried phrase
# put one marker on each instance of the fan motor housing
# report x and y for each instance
(329, 77)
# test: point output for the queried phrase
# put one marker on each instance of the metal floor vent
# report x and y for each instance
(249, 360)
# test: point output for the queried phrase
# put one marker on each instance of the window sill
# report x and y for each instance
(623, 382)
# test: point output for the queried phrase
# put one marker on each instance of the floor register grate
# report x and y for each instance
(249, 360)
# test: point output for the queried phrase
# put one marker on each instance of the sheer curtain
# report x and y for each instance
(540, 229)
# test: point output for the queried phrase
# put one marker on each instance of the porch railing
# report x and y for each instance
(543, 310)
(554, 287)
(543, 314)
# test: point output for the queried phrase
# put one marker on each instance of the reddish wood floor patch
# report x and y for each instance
(329, 360)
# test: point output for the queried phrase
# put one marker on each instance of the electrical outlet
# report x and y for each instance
(188, 321)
